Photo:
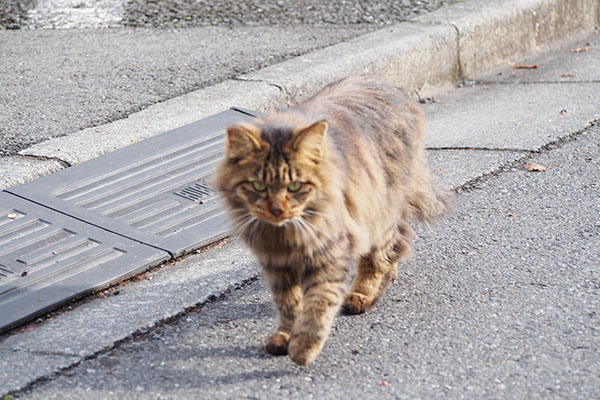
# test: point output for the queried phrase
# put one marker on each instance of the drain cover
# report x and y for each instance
(155, 191)
(47, 259)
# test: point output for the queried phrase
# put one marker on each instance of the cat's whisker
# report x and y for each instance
(301, 229)
(295, 225)
(311, 232)
(316, 229)
(298, 228)
(252, 234)
(240, 217)
(247, 222)
(319, 214)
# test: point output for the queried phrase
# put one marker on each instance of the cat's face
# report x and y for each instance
(271, 171)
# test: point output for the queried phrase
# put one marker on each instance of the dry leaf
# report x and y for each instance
(28, 328)
(535, 167)
(511, 215)
(516, 66)
(384, 383)
(580, 50)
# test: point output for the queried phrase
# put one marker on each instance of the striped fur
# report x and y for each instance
(356, 152)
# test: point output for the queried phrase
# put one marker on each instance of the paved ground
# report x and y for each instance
(501, 299)
(84, 78)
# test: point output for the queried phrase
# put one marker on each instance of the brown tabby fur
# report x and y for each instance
(357, 148)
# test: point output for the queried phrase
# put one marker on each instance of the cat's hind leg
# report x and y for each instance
(287, 295)
(377, 269)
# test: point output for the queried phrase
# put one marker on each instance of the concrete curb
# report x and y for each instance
(428, 54)
(490, 35)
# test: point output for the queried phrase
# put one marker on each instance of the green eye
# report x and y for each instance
(294, 186)
(259, 186)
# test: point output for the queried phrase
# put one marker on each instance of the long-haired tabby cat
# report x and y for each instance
(313, 188)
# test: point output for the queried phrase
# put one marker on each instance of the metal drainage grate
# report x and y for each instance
(199, 192)
(154, 191)
(47, 259)
(84, 228)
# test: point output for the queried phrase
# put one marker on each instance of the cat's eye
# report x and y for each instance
(259, 186)
(294, 186)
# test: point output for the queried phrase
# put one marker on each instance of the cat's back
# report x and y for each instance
(368, 119)
(364, 95)
(364, 107)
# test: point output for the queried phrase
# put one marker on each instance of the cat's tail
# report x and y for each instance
(430, 200)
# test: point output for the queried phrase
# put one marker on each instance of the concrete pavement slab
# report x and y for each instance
(422, 55)
(578, 61)
(517, 117)
(500, 301)
(456, 167)
(138, 306)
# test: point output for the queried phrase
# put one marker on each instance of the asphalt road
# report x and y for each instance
(501, 300)
(55, 82)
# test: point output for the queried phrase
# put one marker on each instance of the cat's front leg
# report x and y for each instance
(324, 291)
(287, 295)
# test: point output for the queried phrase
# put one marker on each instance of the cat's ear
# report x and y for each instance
(242, 139)
(310, 140)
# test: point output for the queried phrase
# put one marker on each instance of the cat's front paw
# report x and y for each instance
(277, 344)
(356, 303)
(304, 350)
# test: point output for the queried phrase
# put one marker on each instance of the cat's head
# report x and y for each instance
(272, 170)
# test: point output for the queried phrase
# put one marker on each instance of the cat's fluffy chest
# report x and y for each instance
(300, 243)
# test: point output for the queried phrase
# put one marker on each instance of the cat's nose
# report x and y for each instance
(276, 211)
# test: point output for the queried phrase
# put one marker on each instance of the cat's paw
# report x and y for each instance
(356, 303)
(277, 344)
(303, 350)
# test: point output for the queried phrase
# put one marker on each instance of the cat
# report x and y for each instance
(314, 188)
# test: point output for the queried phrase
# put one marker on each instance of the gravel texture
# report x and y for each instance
(64, 14)
(174, 13)
(13, 13)
(186, 13)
